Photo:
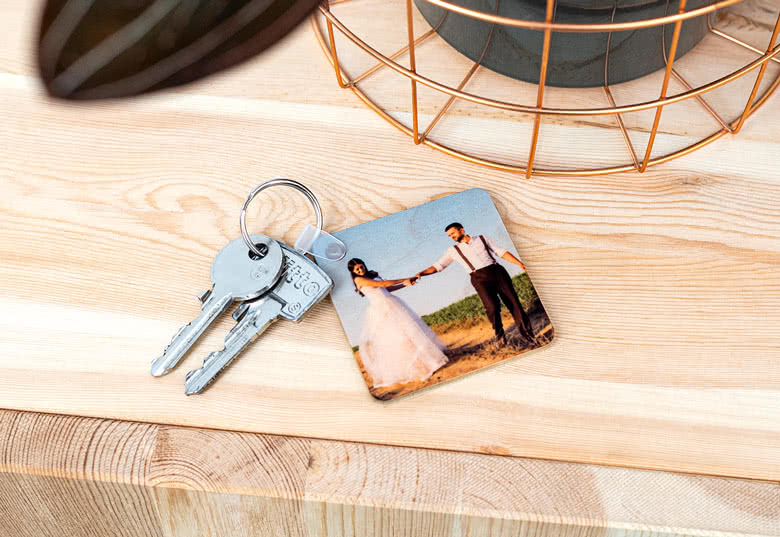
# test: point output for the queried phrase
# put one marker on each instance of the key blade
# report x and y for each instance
(258, 317)
(214, 306)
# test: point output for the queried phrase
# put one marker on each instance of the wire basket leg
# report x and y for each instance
(332, 41)
(542, 83)
(413, 68)
(761, 73)
(665, 87)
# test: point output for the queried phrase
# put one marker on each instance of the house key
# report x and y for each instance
(238, 274)
(302, 285)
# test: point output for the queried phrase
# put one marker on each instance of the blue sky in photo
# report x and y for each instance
(402, 244)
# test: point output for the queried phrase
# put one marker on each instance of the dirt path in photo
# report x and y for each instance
(468, 349)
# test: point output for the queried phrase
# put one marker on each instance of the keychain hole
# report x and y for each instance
(263, 250)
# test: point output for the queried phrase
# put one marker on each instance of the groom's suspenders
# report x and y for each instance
(487, 249)
(466, 259)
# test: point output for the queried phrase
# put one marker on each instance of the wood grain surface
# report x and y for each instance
(79, 477)
(664, 287)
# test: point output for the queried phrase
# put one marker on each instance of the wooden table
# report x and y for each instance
(656, 411)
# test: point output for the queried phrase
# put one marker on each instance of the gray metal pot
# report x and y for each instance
(576, 59)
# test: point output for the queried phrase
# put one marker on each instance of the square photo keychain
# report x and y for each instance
(434, 292)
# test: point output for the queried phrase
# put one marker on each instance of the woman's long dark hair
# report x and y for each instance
(370, 274)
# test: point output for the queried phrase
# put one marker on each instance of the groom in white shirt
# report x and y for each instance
(491, 281)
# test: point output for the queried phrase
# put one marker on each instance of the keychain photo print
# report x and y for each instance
(432, 293)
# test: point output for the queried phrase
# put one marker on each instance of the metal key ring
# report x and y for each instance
(279, 181)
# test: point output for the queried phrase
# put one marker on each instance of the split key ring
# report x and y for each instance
(334, 249)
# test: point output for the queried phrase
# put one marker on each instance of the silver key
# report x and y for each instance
(300, 288)
(236, 276)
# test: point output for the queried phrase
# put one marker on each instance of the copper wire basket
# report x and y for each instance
(614, 117)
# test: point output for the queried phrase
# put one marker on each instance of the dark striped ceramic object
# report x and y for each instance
(576, 59)
(92, 49)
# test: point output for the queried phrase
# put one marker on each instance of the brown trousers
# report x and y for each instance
(493, 282)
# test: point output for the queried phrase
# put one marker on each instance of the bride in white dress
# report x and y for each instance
(395, 344)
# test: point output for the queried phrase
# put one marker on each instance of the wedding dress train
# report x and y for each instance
(396, 345)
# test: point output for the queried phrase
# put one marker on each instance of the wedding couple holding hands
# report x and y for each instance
(396, 346)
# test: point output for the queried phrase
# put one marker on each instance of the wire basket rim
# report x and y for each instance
(583, 28)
